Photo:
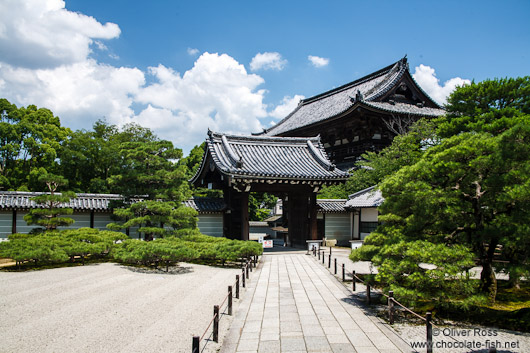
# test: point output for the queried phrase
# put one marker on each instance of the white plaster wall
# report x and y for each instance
(369, 215)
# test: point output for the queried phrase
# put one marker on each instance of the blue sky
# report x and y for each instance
(180, 67)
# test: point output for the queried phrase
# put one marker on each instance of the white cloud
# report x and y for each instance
(43, 34)
(267, 61)
(193, 51)
(317, 61)
(425, 76)
(287, 106)
(100, 45)
(77, 93)
(217, 92)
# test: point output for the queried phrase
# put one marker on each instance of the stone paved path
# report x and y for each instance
(294, 304)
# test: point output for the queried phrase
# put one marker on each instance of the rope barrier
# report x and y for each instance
(410, 311)
(210, 324)
(217, 315)
(395, 301)
(226, 297)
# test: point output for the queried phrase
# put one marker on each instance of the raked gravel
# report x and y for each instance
(110, 308)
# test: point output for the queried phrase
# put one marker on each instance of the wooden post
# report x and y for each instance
(244, 216)
(313, 211)
(335, 265)
(92, 219)
(429, 332)
(329, 259)
(323, 257)
(229, 300)
(246, 269)
(319, 255)
(237, 286)
(249, 264)
(343, 273)
(216, 323)
(14, 222)
(391, 307)
(243, 275)
(353, 280)
(195, 344)
(368, 297)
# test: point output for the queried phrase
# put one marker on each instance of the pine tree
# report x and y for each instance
(51, 205)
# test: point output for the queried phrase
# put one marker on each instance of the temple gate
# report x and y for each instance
(293, 169)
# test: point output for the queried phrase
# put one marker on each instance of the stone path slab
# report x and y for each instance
(294, 304)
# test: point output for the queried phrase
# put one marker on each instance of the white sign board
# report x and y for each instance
(267, 244)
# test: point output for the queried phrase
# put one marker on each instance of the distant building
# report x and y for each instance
(95, 210)
(363, 115)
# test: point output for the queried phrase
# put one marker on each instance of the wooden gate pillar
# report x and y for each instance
(244, 215)
(313, 228)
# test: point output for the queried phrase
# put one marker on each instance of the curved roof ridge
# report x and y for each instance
(427, 95)
(346, 86)
(361, 192)
(384, 86)
(246, 138)
(315, 151)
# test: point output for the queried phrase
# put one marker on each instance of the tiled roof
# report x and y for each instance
(403, 108)
(273, 158)
(273, 218)
(22, 200)
(331, 205)
(206, 204)
(97, 202)
(369, 197)
(339, 100)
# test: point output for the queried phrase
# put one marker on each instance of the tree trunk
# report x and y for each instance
(514, 280)
(487, 277)
(489, 282)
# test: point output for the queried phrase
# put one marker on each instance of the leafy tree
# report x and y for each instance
(491, 106)
(50, 206)
(194, 159)
(30, 138)
(149, 169)
(260, 205)
(374, 167)
(467, 190)
(155, 218)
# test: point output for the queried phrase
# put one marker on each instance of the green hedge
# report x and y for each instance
(185, 245)
(58, 246)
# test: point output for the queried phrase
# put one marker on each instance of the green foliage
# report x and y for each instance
(260, 205)
(51, 205)
(491, 106)
(58, 247)
(456, 198)
(30, 138)
(374, 167)
(155, 218)
(149, 170)
(193, 160)
(187, 245)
